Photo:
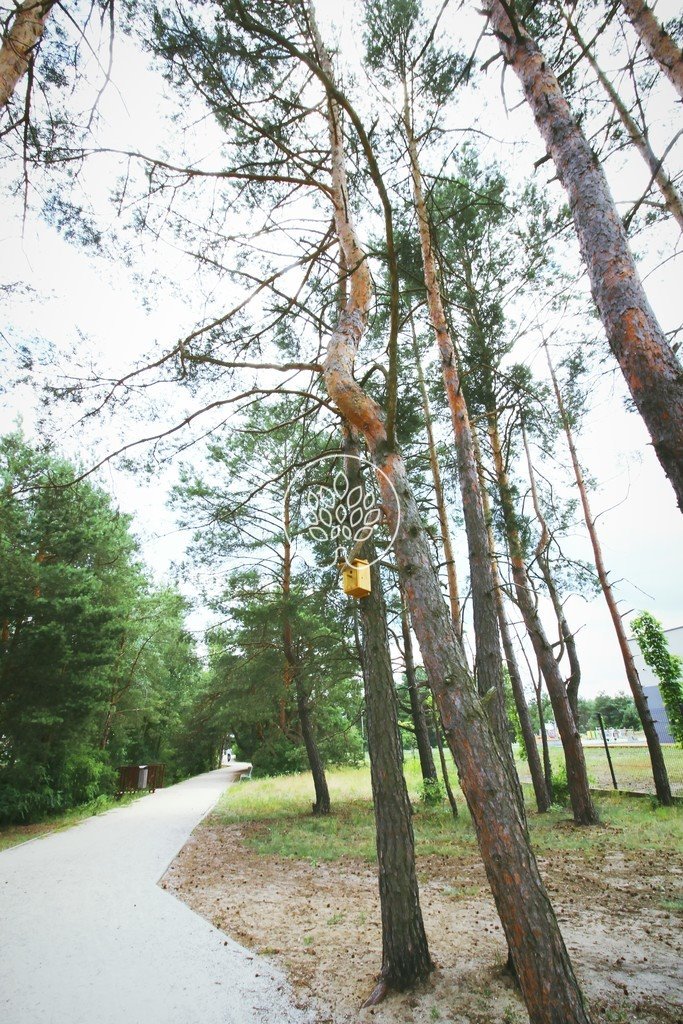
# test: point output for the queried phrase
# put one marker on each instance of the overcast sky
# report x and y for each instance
(76, 295)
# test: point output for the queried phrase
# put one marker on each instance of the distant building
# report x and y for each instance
(651, 685)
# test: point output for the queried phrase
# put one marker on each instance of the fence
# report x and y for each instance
(630, 764)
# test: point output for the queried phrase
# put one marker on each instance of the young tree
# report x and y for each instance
(659, 771)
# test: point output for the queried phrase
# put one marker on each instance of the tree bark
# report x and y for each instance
(650, 367)
(424, 746)
(541, 792)
(657, 41)
(582, 803)
(321, 804)
(19, 43)
(489, 662)
(659, 772)
(541, 960)
(672, 197)
(566, 636)
(405, 953)
(444, 767)
(315, 761)
(449, 557)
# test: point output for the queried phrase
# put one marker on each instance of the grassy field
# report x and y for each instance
(13, 835)
(279, 810)
(631, 767)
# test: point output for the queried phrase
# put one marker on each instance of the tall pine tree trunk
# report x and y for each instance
(489, 662)
(447, 544)
(424, 746)
(405, 953)
(657, 41)
(541, 959)
(577, 776)
(650, 367)
(672, 197)
(659, 772)
(321, 804)
(19, 43)
(538, 781)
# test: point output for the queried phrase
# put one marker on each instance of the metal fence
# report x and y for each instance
(630, 765)
(626, 766)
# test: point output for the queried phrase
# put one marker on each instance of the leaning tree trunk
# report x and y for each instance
(449, 557)
(541, 959)
(405, 953)
(650, 367)
(672, 197)
(657, 41)
(577, 776)
(541, 792)
(19, 43)
(659, 772)
(424, 746)
(315, 761)
(489, 662)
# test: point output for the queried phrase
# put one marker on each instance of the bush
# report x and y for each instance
(560, 786)
(432, 792)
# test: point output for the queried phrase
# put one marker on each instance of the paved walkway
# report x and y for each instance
(88, 937)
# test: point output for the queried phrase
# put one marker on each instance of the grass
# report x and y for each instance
(14, 835)
(631, 766)
(278, 810)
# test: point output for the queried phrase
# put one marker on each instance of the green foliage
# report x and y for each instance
(287, 645)
(432, 792)
(560, 785)
(92, 659)
(666, 666)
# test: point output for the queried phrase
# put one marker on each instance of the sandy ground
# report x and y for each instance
(321, 924)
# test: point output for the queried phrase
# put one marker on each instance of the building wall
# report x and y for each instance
(651, 684)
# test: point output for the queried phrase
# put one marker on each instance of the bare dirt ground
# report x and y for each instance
(321, 923)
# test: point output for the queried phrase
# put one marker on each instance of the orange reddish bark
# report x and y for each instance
(489, 660)
(656, 41)
(540, 957)
(449, 556)
(650, 367)
(18, 45)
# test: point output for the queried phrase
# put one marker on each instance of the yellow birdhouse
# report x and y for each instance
(356, 578)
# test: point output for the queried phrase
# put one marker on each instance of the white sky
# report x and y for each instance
(77, 294)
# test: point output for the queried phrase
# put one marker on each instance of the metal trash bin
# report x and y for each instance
(143, 771)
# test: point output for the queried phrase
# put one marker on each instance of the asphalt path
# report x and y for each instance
(88, 937)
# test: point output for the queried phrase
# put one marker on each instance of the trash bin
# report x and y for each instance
(142, 776)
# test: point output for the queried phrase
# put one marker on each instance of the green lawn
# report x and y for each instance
(281, 825)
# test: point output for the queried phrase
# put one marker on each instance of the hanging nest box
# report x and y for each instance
(356, 578)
